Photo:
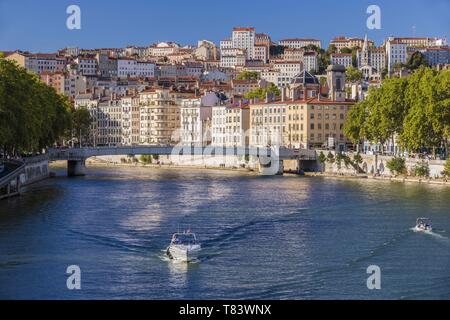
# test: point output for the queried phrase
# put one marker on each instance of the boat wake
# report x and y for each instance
(432, 233)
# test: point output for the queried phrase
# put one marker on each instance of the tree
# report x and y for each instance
(322, 158)
(422, 169)
(260, 93)
(427, 122)
(247, 75)
(332, 49)
(145, 159)
(323, 57)
(357, 160)
(330, 157)
(415, 111)
(355, 124)
(416, 61)
(397, 165)
(276, 50)
(32, 115)
(446, 171)
(346, 50)
(353, 75)
(81, 122)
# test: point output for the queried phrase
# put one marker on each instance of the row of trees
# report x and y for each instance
(415, 110)
(33, 115)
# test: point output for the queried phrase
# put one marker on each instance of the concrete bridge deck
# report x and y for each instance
(270, 159)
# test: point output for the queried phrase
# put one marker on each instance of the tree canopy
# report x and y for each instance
(415, 109)
(247, 75)
(32, 115)
(416, 60)
(260, 93)
(352, 74)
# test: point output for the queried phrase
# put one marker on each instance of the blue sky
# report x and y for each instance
(40, 25)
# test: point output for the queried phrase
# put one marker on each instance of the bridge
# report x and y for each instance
(270, 158)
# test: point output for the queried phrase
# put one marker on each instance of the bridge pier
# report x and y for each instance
(76, 168)
(269, 166)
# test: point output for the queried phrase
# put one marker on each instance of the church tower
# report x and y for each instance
(365, 54)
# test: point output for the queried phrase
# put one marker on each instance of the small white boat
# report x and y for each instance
(423, 225)
(184, 247)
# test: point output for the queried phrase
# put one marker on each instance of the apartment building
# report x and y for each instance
(162, 49)
(107, 66)
(130, 120)
(293, 54)
(56, 80)
(39, 62)
(242, 87)
(396, 52)
(160, 115)
(311, 61)
(109, 121)
(87, 65)
(288, 68)
(230, 125)
(195, 122)
(343, 59)
(128, 67)
(303, 118)
(346, 42)
(435, 55)
(244, 38)
(419, 41)
(298, 43)
(232, 58)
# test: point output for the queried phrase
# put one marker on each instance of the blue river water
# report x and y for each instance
(263, 237)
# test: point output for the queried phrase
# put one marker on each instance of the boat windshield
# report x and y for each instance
(184, 238)
(423, 221)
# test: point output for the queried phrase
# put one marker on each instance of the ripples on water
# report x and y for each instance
(263, 237)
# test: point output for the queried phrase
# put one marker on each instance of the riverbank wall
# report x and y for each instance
(36, 169)
(194, 161)
(377, 165)
(371, 167)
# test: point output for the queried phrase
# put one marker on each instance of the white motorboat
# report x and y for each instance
(184, 247)
(423, 225)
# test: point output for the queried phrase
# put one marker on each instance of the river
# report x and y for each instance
(263, 237)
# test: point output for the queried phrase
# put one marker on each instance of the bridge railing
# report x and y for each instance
(84, 153)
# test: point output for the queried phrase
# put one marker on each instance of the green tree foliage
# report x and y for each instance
(145, 159)
(81, 122)
(397, 165)
(422, 169)
(355, 125)
(331, 49)
(260, 93)
(353, 75)
(322, 157)
(276, 50)
(446, 171)
(32, 115)
(416, 108)
(330, 157)
(323, 57)
(247, 75)
(416, 61)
